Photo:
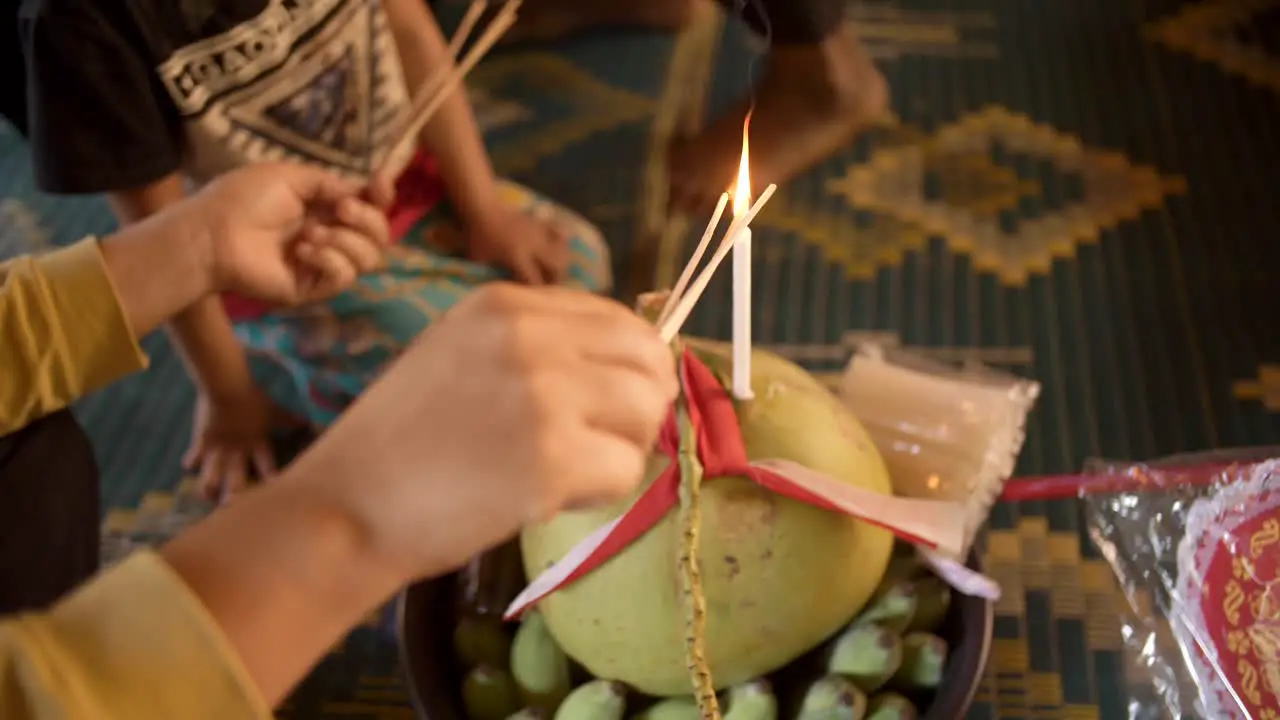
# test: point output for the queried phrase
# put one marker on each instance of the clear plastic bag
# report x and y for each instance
(1194, 541)
(946, 432)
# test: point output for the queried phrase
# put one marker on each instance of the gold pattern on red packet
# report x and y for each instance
(1230, 591)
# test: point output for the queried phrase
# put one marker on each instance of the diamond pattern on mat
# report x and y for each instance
(1012, 193)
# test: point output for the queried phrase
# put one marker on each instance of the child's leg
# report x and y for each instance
(314, 361)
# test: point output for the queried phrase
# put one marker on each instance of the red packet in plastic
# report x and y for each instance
(1228, 590)
(1195, 544)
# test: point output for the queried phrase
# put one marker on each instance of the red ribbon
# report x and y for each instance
(723, 454)
(418, 190)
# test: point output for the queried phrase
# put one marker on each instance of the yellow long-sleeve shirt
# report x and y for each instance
(135, 642)
(62, 333)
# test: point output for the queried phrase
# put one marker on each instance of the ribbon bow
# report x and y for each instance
(929, 524)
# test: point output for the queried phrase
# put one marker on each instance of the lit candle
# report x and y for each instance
(742, 280)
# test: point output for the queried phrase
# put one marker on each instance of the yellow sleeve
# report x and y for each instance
(135, 643)
(62, 332)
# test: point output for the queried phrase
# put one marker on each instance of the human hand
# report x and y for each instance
(231, 435)
(381, 190)
(519, 403)
(532, 248)
(289, 234)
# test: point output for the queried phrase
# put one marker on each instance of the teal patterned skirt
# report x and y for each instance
(314, 360)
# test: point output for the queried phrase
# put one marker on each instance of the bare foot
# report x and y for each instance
(811, 101)
(546, 20)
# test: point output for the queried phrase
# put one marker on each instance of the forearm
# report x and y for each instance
(452, 136)
(133, 642)
(159, 269)
(201, 331)
(285, 573)
(63, 332)
(71, 319)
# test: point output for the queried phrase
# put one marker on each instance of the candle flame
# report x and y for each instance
(742, 188)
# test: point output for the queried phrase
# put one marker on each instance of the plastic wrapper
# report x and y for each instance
(1195, 544)
(946, 432)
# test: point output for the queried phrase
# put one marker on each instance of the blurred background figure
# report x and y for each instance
(819, 88)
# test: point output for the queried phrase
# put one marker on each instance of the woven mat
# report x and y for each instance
(1076, 191)
(1124, 150)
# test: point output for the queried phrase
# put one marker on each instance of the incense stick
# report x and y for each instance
(428, 89)
(475, 10)
(468, 23)
(671, 327)
(699, 251)
(440, 85)
(437, 89)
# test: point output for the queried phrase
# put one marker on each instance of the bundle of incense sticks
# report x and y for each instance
(680, 303)
(437, 87)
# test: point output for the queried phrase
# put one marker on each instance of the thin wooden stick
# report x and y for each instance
(692, 265)
(428, 90)
(669, 329)
(469, 20)
(438, 88)
(432, 94)
(431, 85)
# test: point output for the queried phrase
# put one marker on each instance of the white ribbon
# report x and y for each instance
(938, 522)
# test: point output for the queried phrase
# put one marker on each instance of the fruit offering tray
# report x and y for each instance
(917, 650)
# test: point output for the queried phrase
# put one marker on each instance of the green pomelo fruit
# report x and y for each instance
(779, 575)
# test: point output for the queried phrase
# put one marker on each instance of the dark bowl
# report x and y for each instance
(427, 611)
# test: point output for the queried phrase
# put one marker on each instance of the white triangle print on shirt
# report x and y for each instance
(331, 109)
(333, 99)
(319, 108)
